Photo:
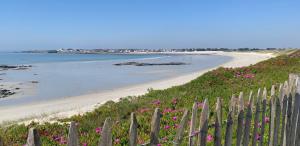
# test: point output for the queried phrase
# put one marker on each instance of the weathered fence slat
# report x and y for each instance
(133, 130)
(297, 138)
(297, 95)
(284, 108)
(229, 128)
(193, 138)
(286, 138)
(256, 118)
(233, 104)
(155, 126)
(180, 130)
(295, 106)
(272, 116)
(281, 92)
(294, 114)
(203, 128)
(277, 122)
(218, 123)
(33, 138)
(263, 116)
(240, 121)
(1, 141)
(106, 133)
(292, 82)
(248, 122)
(73, 139)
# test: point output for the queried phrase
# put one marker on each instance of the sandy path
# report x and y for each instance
(47, 111)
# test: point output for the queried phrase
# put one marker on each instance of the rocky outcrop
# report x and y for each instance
(15, 67)
(5, 93)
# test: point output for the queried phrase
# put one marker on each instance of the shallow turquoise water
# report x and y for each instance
(66, 75)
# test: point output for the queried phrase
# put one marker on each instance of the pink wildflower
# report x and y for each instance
(84, 144)
(249, 76)
(267, 119)
(174, 118)
(98, 130)
(62, 140)
(117, 141)
(257, 137)
(167, 127)
(159, 145)
(156, 102)
(209, 138)
(167, 110)
(199, 104)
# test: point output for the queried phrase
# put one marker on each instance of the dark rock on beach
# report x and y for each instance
(15, 67)
(149, 64)
(5, 93)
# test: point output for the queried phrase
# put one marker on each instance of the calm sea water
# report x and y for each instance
(29, 58)
(66, 75)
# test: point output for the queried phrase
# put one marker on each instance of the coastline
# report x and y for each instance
(49, 111)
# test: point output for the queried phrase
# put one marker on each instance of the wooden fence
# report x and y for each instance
(250, 119)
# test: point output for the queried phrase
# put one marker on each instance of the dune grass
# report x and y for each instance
(222, 82)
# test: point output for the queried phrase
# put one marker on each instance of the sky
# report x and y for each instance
(89, 24)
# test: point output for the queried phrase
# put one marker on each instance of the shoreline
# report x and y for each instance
(66, 107)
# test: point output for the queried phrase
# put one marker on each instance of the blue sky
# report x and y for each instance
(53, 24)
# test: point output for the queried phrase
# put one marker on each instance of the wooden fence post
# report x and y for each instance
(297, 95)
(248, 121)
(33, 138)
(284, 108)
(1, 142)
(296, 106)
(292, 82)
(203, 128)
(294, 116)
(277, 122)
(155, 127)
(297, 138)
(286, 138)
(133, 130)
(263, 116)
(218, 123)
(106, 134)
(233, 104)
(193, 138)
(272, 116)
(73, 139)
(240, 123)
(229, 127)
(256, 118)
(180, 130)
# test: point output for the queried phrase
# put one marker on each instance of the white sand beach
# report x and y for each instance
(51, 110)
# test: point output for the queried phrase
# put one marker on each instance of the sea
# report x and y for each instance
(56, 76)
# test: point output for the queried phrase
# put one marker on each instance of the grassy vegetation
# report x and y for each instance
(222, 82)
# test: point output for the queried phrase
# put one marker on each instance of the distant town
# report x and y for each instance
(124, 51)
